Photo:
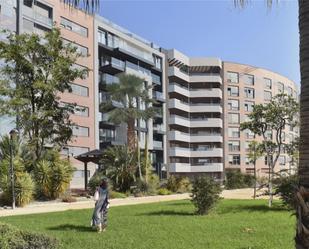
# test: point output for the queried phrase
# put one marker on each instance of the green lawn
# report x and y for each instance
(235, 224)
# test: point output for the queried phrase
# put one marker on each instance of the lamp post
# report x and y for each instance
(13, 133)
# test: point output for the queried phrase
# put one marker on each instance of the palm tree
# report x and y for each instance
(89, 6)
(302, 196)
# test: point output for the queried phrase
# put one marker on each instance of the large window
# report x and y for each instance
(67, 24)
(289, 91)
(80, 131)
(233, 132)
(233, 118)
(249, 79)
(79, 48)
(282, 160)
(234, 146)
(249, 106)
(280, 87)
(107, 135)
(233, 91)
(81, 111)
(232, 77)
(267, 83)
(79, 90)
(249, 93)
(267, 95)
(233, 104)
(234, 159)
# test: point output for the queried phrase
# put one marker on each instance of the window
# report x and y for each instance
(233, 105)
(267, 95)
(102, 37)
(234, 146)
(233, 118)
(247, 146)
(270, 160)
(233, 132)
(107, 135)
(67, 24)
(232, 77)
(79, 90)
(249, 79)
(81, 111)
(80, 131)
(81, 174)
(249, 106)
(282, 160)
(79, 48)
(267, 83)
(249, 93)
(290, 91)
(234, 159)
(283, 136)
(249, 134)
(269, 135)
(79, 67)
(233, 91)
(75, 150)
(280, 87)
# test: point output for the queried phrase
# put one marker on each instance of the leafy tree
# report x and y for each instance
(120, 166)
(272, 118)
(44, 68)
(256, 151)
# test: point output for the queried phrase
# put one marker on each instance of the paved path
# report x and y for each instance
(61, 206)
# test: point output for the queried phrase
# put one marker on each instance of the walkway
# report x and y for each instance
(46, 207)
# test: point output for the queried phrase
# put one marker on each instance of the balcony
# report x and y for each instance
(156, 79)
(199, 152)
(198, 107)
(195, 123)
(157, 145)
(195, 93)
(112, 66)
(37, 17)
(158, 96)
(195, 138)
(188, 168)
(206, 78)
(107, 79)
(159, 128)
(175, 71)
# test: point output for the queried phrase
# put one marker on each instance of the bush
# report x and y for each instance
(164, 191)
(286, 189)
(13, 238)
(205, 194)
(235, 179)
(52, 176)
(178, 184)
(96, 180)
(114, 194)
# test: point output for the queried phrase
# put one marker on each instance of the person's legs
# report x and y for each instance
(104, 219)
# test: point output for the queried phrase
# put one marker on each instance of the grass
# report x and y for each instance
(234, 224)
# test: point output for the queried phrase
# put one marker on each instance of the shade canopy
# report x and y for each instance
(92, 156)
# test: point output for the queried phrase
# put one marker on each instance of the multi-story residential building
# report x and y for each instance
(245, 86)
(195, 115)
(119, 51)
(202, 100)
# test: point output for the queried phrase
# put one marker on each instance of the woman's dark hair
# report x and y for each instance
(103, 184)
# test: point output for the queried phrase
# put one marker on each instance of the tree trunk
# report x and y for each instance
(131, 134)
(254, 191)
(270, 188)
(302, 197)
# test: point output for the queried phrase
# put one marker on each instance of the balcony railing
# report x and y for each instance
(159, 128)
(158, 144)
(158, 95)
(37, 16)
(156, 79)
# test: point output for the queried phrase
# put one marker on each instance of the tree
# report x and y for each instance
(255, 152)
(271, 118)
(44, 67)
(89, 6)
(129, 100)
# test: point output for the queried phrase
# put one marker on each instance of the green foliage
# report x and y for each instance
(147, 188)
(96, 180)
(120, 167)
(52, 177)
(178, 184)
(13, 238)
(40, 70)
(115, 194)
(205, 194)
(286, 189)
(235, 179)
(164, 191)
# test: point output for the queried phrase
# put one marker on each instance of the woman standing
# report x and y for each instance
(99, 217)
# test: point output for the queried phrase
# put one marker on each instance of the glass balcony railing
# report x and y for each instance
(115, 63)
(156, 79)
(159, 128)
(157, 95)
(37, 16)
(108, 79)
(157, 144)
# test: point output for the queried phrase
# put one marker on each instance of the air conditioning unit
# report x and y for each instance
(229, 80)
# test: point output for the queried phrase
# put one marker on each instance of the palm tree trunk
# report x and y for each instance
(131, 141)
(302, 197)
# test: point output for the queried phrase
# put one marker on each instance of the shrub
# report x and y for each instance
(286, 189)
(13, 238)
(114, 194)
(96, 180)
(164, 191)
(235, 179)
(205, 194)
(52, 177)
(178, 184)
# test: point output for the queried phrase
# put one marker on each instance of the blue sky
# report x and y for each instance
(256, 35)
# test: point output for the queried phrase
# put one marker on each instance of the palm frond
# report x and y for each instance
(244, 3)
(89, 6)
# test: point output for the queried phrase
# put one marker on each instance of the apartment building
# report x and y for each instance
(195, 115)
(245, 86)
(120, 51)
(202, 100)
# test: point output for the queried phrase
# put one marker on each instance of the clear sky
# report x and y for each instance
(256, 35)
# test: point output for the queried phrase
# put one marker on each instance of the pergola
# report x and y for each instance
(93, 156)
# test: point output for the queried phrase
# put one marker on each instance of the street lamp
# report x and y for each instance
(13, 133)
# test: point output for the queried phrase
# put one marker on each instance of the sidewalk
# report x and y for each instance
(47, 207)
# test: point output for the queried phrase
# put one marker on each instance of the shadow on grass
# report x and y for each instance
(168, 213)
(252, 208)
(71, 227)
